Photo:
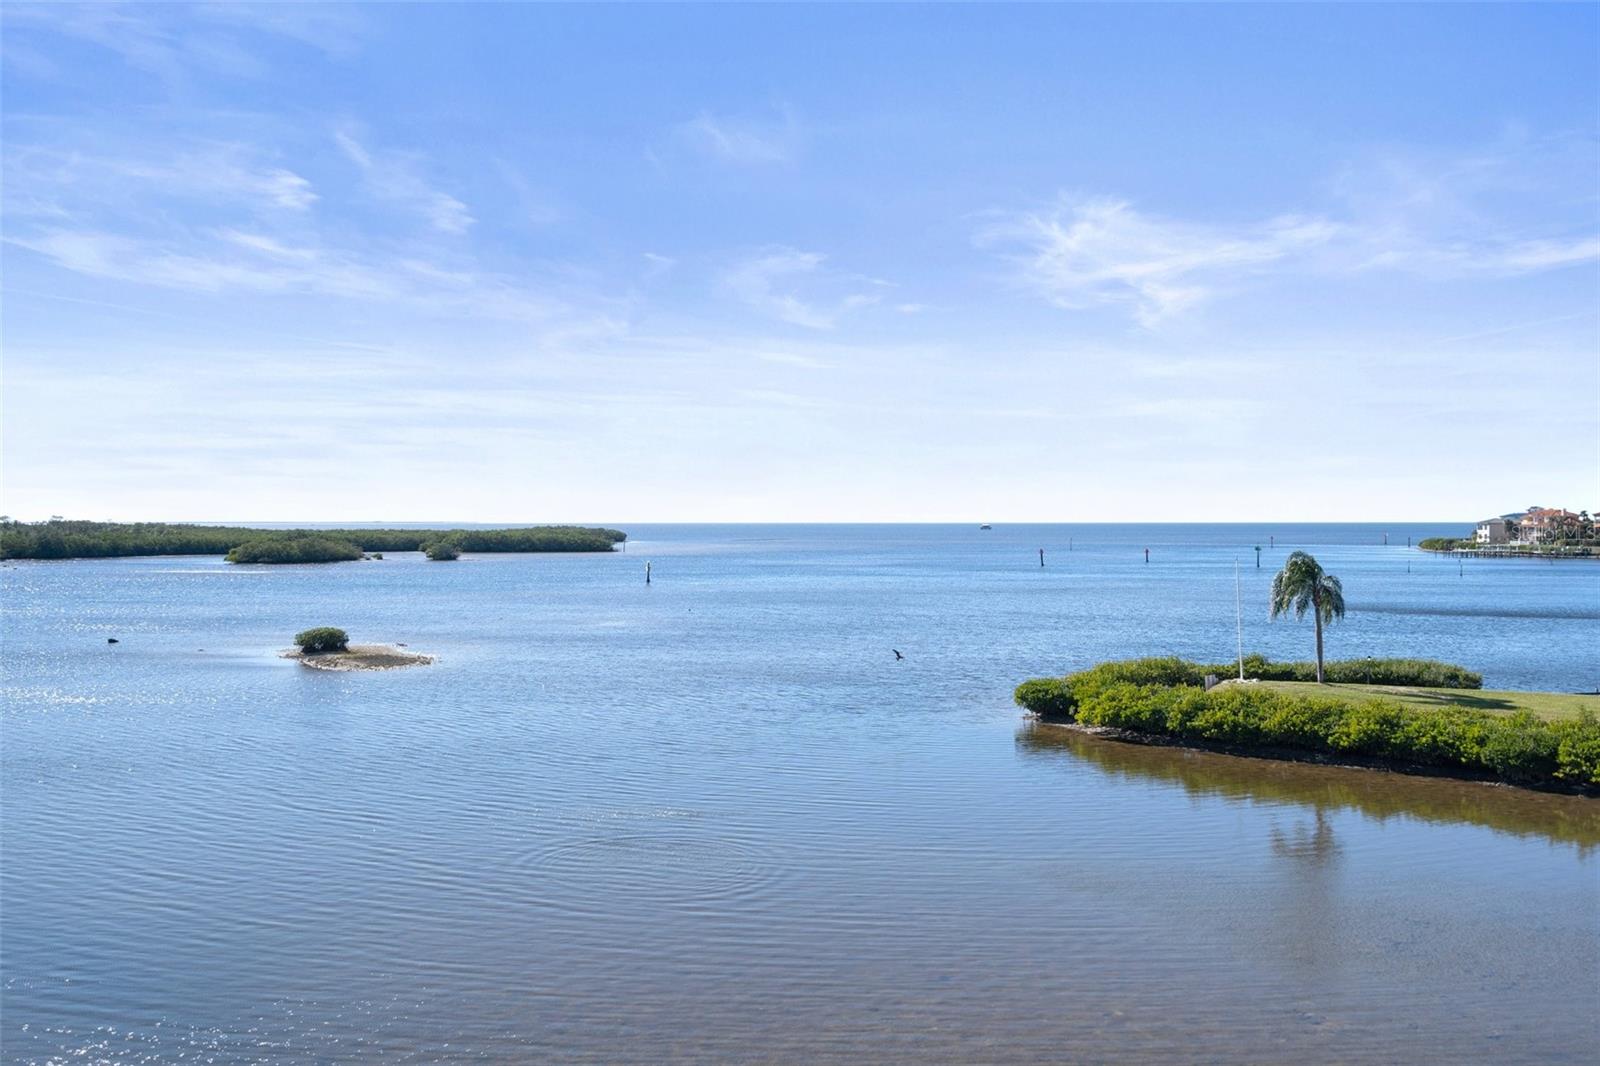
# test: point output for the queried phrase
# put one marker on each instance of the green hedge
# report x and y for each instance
(1426, 673)
(1157, 696)
(1423, 673)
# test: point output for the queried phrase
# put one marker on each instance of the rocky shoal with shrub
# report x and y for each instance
(329, 648)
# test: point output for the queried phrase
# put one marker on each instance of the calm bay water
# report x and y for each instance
(715, 819)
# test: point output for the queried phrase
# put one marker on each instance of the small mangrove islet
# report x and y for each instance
(294, 550)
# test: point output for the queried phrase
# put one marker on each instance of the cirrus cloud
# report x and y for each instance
(772, 282)
(1092, 252)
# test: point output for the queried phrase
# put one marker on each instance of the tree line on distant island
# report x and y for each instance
(63, 539)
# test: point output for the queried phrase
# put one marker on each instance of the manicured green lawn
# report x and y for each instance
(1553, 706)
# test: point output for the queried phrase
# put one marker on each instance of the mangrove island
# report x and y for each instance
(64, 539)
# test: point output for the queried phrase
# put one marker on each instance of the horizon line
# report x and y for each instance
(378, 522)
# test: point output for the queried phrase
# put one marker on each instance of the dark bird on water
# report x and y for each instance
(112, 640)
(897, 655)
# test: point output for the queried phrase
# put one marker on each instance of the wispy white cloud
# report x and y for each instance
(796, 359)
(1484, 254)
(770, 283)
(208, 217)
(394, 177)
(171, 41)
(1085, 253)
(282, 188)
(657, 264)
(235, 261)
(1520, 204)
(242, 261)
(536, 206)
(269, 246)
(744, 140)
(1501, 211)
(64, 179)
(1544, 255)
(332, 28)
(1518, 327)
(140, 37)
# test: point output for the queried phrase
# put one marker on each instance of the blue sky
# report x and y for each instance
(767, 263)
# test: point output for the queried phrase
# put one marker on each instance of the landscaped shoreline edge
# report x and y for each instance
(1540, 744)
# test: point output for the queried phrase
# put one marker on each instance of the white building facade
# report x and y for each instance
(1493, 531)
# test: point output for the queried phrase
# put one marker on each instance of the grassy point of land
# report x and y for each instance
(1551, 706)
(1429, 717)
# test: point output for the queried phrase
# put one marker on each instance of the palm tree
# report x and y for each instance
(1301, 586)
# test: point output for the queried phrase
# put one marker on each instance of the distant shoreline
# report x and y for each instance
(64, 539)
(1512, 553)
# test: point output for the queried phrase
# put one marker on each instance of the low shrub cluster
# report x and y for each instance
(322, 638)
(294, 549)
(1163, 697)
(1425, 673)
(1047, 697)
(443, 550)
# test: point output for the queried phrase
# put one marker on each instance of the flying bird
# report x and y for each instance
(897, 655)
